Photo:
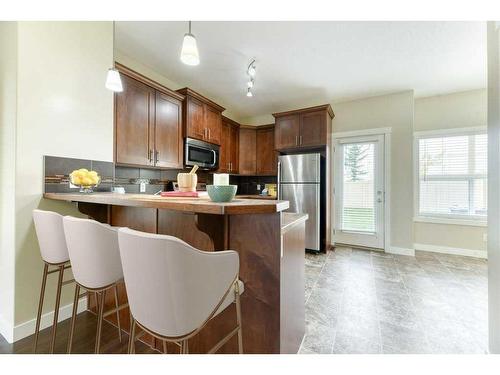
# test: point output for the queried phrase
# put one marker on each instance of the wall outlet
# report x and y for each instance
(142, 187)
(258, 186)
(485, 237)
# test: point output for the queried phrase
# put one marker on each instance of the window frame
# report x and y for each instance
(473, 220)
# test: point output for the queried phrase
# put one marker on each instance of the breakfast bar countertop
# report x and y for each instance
(197, 205)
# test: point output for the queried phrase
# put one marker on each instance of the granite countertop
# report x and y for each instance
(197, 205)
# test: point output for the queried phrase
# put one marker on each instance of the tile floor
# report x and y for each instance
(360, 301)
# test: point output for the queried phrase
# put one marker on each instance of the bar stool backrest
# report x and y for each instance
(172, 287)
(50, 232)
(93, 251)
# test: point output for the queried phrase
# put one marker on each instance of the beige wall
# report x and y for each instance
(8, 111)
(464, 109)
(63, 110)
(389, 111)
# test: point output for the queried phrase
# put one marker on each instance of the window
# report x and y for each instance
(452, 175)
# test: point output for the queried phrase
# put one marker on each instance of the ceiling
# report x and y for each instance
(312, 62)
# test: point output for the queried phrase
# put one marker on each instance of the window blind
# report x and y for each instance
(452, 172)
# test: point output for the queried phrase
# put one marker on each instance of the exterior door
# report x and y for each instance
(168, 132)
(359, 192)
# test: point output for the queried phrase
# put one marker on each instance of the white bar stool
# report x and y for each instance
(50, 232)
(95, 259)
(174, 289)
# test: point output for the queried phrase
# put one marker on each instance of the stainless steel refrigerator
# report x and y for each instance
(300, 183)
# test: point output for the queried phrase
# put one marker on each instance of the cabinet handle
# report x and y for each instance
(208, 133)
(157, 156)
(150, 156)
(300, 140)
(296, 140)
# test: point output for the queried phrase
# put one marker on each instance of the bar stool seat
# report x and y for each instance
(95, 258)
(174, 290)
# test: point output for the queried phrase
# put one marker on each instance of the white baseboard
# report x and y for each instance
(400, 251)
(28, 328)
(6, 330)
(452, 250)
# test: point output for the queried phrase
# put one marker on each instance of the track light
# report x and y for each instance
(249, 93)
(250, 83)
(251, 69)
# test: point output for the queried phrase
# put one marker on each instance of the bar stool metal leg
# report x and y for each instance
(56, 310)
(238, 319)
(165, 346)
(185, 347)
(118, 313)
(99, 321)
(131, 339)
(73, 317)
(40, 305)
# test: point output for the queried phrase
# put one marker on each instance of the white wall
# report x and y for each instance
(63, 110)
(494, 186)
(463, 109)
(8, 112)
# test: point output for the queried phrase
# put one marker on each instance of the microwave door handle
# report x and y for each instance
(215, 157)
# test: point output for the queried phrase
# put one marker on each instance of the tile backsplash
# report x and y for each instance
(57, 170)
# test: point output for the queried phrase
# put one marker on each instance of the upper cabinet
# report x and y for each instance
(202, 117)
(229, 146)
(257, 152)
(303, 128)
(148, 123)
(267, 157)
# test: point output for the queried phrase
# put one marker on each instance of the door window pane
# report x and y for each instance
(358, 211)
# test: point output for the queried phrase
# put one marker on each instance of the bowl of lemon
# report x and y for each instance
(86, 180)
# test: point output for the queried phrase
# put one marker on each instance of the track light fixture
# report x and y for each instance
(251, 70)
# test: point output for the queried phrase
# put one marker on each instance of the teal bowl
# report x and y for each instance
(222, 193)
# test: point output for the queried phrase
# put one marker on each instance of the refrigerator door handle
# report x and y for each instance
(278, 189)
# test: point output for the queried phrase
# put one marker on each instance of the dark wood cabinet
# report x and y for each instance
(287, 132)
(134, 121)
(267, 159)
(168, 132)
(257, 155)
(202, 117)
(148, 123)
(303, 128)
(229, 146)
(248, 147)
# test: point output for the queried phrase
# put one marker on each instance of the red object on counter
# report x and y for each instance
(185, 194)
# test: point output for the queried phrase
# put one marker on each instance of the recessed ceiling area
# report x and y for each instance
(312, 62)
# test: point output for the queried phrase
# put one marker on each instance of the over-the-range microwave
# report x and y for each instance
(203, 154)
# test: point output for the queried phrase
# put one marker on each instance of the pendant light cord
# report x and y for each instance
(113, 64)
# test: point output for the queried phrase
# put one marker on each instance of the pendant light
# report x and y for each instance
(189, 52)
(113, 80)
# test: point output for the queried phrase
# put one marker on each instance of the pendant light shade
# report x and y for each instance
(189, 52)
(113, 81)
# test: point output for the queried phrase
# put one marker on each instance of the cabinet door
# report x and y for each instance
(195, 119)
(134, 123)
(247, 159)
(312, 129)
(225, 147)
(234, 149)
(287, 132)
(168, 132)
(266, 157)
(213, 121)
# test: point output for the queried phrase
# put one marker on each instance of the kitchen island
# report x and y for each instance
(270, 244)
